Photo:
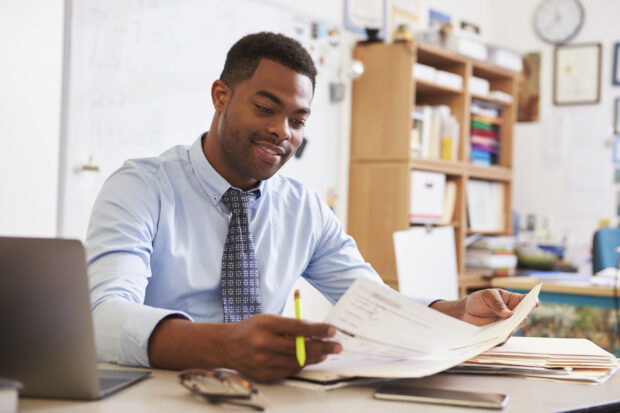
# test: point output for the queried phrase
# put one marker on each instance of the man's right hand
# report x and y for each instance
(261, 347)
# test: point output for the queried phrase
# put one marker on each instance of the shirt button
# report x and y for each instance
(215, 197)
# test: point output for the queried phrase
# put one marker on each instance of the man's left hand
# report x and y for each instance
(481, 307)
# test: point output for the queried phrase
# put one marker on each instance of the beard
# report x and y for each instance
(238, 149)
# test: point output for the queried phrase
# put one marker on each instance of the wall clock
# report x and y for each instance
(558, 21)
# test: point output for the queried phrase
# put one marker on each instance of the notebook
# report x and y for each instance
(47, 334)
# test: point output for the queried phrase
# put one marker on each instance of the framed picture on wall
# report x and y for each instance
(360, 15)
(617, 117)
(577, 74)
(616, 69)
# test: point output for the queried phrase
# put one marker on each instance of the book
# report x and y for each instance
(449, 202)
(485, 205)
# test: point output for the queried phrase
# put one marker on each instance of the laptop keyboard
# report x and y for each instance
(107, 383)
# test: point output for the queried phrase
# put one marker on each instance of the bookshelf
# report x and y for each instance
(381, 159)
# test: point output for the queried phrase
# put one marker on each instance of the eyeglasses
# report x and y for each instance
(218, 386)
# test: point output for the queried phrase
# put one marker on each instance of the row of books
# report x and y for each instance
(485, 205)
(434, 133)
(486, 123)
(492, 256)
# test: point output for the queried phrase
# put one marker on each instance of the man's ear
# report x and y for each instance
(220, 93)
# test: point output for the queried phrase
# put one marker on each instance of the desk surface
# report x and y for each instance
(528, 282)
(162, 393)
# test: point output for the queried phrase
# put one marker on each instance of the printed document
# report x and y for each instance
(385, 334)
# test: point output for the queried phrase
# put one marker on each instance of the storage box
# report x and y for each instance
(448, 79)
(479, 86)
(424, 72)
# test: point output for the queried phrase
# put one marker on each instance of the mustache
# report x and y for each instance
(285, 145)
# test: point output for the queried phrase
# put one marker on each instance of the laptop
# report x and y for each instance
(46, 330)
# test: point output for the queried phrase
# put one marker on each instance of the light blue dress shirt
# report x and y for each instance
(155, 243)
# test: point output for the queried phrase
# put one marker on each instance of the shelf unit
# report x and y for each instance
(380, 157)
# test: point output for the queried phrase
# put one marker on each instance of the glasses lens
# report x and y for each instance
(215, 383)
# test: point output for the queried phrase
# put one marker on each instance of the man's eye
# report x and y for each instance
(299, 123)
(263, 109)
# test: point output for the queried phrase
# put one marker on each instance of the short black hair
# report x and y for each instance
(245, 55)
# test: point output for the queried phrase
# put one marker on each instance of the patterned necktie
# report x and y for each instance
(240, 280)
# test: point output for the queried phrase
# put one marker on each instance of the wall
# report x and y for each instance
(545, 187)
(31, 35)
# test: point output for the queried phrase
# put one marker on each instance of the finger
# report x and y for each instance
(320, 348)
(287, 346)
(295, 327)
(511, 299)
(493, 299)
(480, 321)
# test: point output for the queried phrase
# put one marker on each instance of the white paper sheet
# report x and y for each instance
(385, 334)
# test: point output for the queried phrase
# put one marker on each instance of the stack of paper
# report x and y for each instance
(564, 359)
(385, 334)
(492, 256)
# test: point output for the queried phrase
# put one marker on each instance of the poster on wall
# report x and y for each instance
(529, 89)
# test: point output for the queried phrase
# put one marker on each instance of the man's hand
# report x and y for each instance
(481, 307)
(261, 347)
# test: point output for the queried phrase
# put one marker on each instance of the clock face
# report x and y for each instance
(558, 21)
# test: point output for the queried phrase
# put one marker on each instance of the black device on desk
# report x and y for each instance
(409, 393)
(47, 333)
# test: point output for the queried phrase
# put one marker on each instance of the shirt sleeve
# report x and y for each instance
(119, 245)
(337, 262)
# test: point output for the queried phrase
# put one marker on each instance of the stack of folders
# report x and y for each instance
(486, 121)
(492, 256)
(559, 359)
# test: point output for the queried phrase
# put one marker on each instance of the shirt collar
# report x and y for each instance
(211, 181)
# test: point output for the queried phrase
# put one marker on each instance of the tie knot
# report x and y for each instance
(238, 202)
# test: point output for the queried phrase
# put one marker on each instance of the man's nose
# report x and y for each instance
(280, 128)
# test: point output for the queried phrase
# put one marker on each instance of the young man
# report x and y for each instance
(192, 254)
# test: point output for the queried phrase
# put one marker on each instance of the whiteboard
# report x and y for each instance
(137, 81)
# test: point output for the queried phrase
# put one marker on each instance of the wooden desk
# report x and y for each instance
(576, 293)
(163, 393)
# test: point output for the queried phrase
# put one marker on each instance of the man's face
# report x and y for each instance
(262, 123)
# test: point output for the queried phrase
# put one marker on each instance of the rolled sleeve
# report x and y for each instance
(119, 244)
(124, 329)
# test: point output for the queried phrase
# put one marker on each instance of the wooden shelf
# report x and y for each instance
(457, 168)
(491, 99)
(383, 100)
(489, 173)
(471, 232)
(490, 71)
(424, 87)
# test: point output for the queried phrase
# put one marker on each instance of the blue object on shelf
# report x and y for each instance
(557, 250)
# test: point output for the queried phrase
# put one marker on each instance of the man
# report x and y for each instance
(200, 235)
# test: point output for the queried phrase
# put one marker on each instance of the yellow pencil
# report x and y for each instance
(300, 344)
